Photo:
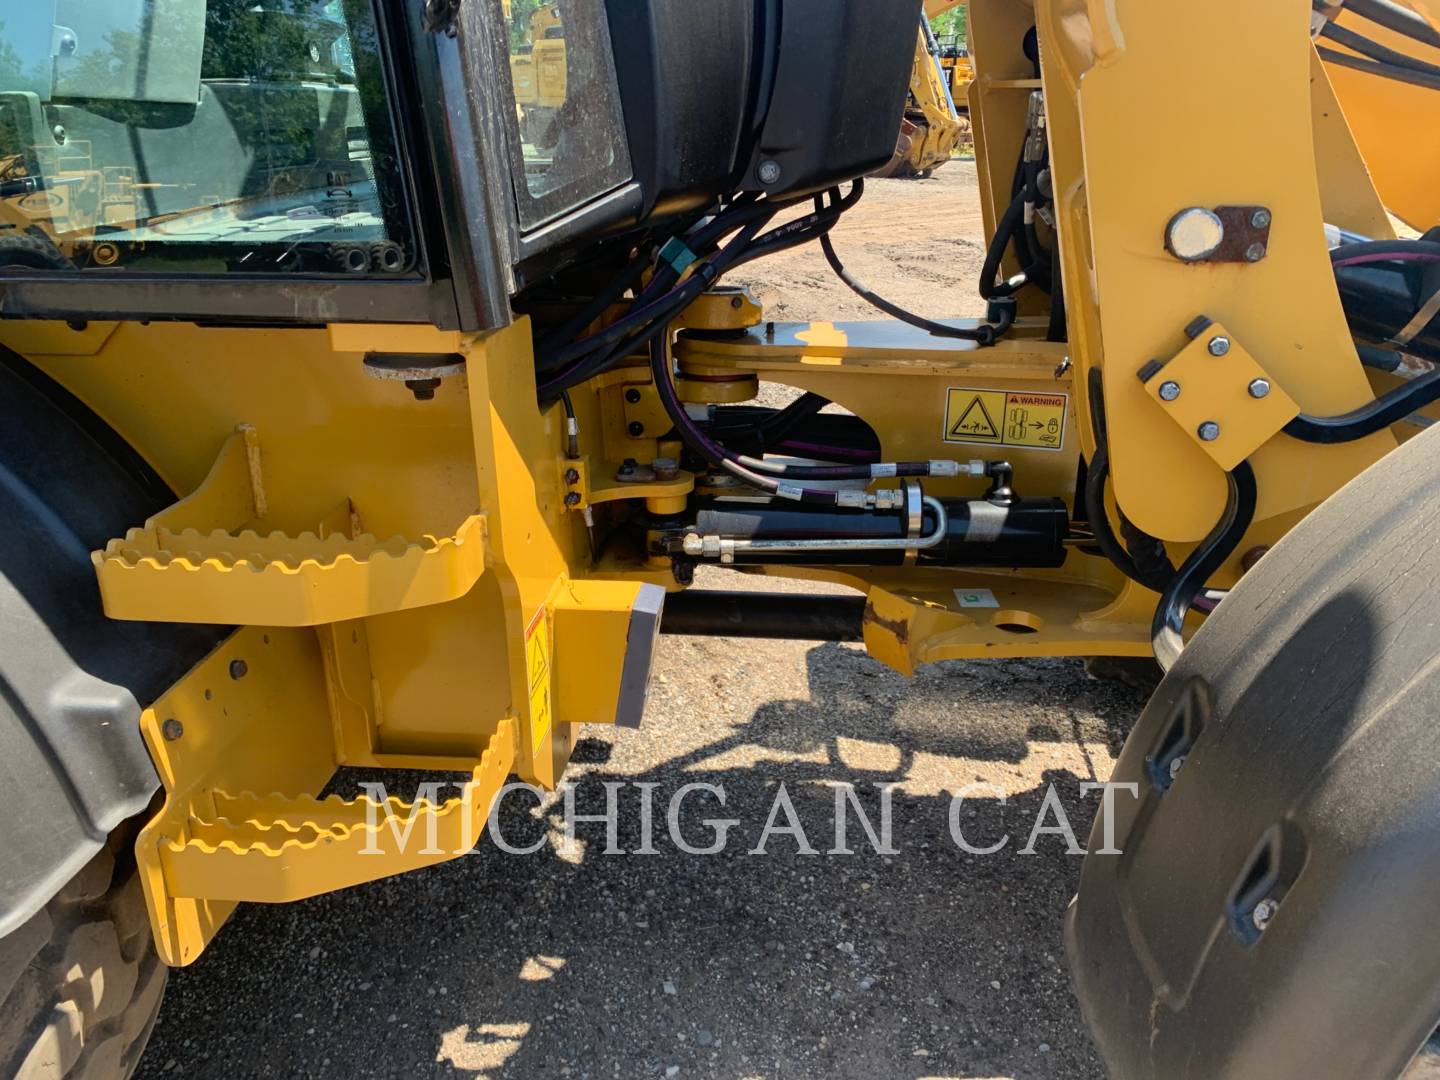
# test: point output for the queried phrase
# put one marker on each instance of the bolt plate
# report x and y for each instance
(1218, 388)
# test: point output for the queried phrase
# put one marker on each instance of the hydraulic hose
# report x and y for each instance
(1394, 17)
(1368, 419)
(1375, 67)
(1374, 50)
(1168, 628)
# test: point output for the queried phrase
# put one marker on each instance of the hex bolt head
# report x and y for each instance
(1260, 219)
(768, 171)
(172, 730)
(572, 499)
(1255, 252)
(1176, 764)
(1259, 388)
(632, 396)
(572, 476)
(1263, 913)
(1209, 431)
(1219, 345)
(238, 668)
(1169, 390)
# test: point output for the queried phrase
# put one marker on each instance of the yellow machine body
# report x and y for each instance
(413, 582)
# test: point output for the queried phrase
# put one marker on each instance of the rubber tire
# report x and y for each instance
(80, 983)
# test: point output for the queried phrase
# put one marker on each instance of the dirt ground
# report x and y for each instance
(928, 962)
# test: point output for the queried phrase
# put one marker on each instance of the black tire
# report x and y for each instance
(80, 983)
(1266, 905)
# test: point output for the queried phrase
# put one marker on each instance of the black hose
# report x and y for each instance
(1385, 247)
(1374, 50)
(1394, 17)
(985, 334)
(1167, 630)
(1368, 419)
(1374, 67)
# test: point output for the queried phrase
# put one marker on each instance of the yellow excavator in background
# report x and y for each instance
(537, 70)
(936, 119)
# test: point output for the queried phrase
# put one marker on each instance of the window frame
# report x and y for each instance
(427, 293)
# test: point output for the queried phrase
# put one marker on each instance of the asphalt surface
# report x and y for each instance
(928, 962)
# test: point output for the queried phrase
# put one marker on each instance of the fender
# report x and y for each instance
(72, 682)
(1270, 911)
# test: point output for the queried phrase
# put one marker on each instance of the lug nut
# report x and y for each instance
(1219, 345)
(1169, 390)
(1259, 387)
(1209, 431)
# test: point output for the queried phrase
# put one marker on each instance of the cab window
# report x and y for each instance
(204, 136)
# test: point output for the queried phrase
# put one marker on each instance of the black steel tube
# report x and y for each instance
(708, 612)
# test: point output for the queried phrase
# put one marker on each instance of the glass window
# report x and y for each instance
(567, 107)
(205, 136)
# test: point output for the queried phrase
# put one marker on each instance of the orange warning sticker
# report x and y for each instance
(1005, 418)
(537, 663)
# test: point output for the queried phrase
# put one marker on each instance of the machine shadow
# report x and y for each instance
(928, 961)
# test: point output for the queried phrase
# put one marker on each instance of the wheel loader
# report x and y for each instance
(344, 426)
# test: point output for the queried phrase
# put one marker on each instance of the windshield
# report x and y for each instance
(240, 136)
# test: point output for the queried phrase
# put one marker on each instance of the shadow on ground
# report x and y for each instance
(930, 962)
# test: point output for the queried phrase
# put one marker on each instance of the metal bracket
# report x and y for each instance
(1219, 395)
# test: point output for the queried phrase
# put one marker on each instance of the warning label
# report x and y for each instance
(537, 663)
(1005, 418)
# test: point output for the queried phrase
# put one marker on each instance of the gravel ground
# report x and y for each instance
(929, 962)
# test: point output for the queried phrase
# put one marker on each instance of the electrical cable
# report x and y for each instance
(1167, 630)
(984, 335)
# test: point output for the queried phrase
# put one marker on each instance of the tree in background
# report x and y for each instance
(952, 24)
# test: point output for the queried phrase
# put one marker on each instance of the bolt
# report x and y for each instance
(1176, 764)
(1260, 219)
(768, 171)
(1263, 913)
(423, 389)
(1253, 556)
(572, 499)
(1209, 431)
(572, 476)
(1259, 388)
(665, 468)
(626, 466)
(1219, 345)
(1169, 390)
(238, 668)
(737, 302)
(1255, 252)
(636, 429)
(172, 730)
(68, 44)
(632, 396)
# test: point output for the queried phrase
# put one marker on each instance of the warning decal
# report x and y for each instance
(537, 664)
(1005, 418)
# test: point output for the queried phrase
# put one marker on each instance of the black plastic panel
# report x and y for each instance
(1271, 908)
(72, 682)
(842, 73)
(686, 88)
